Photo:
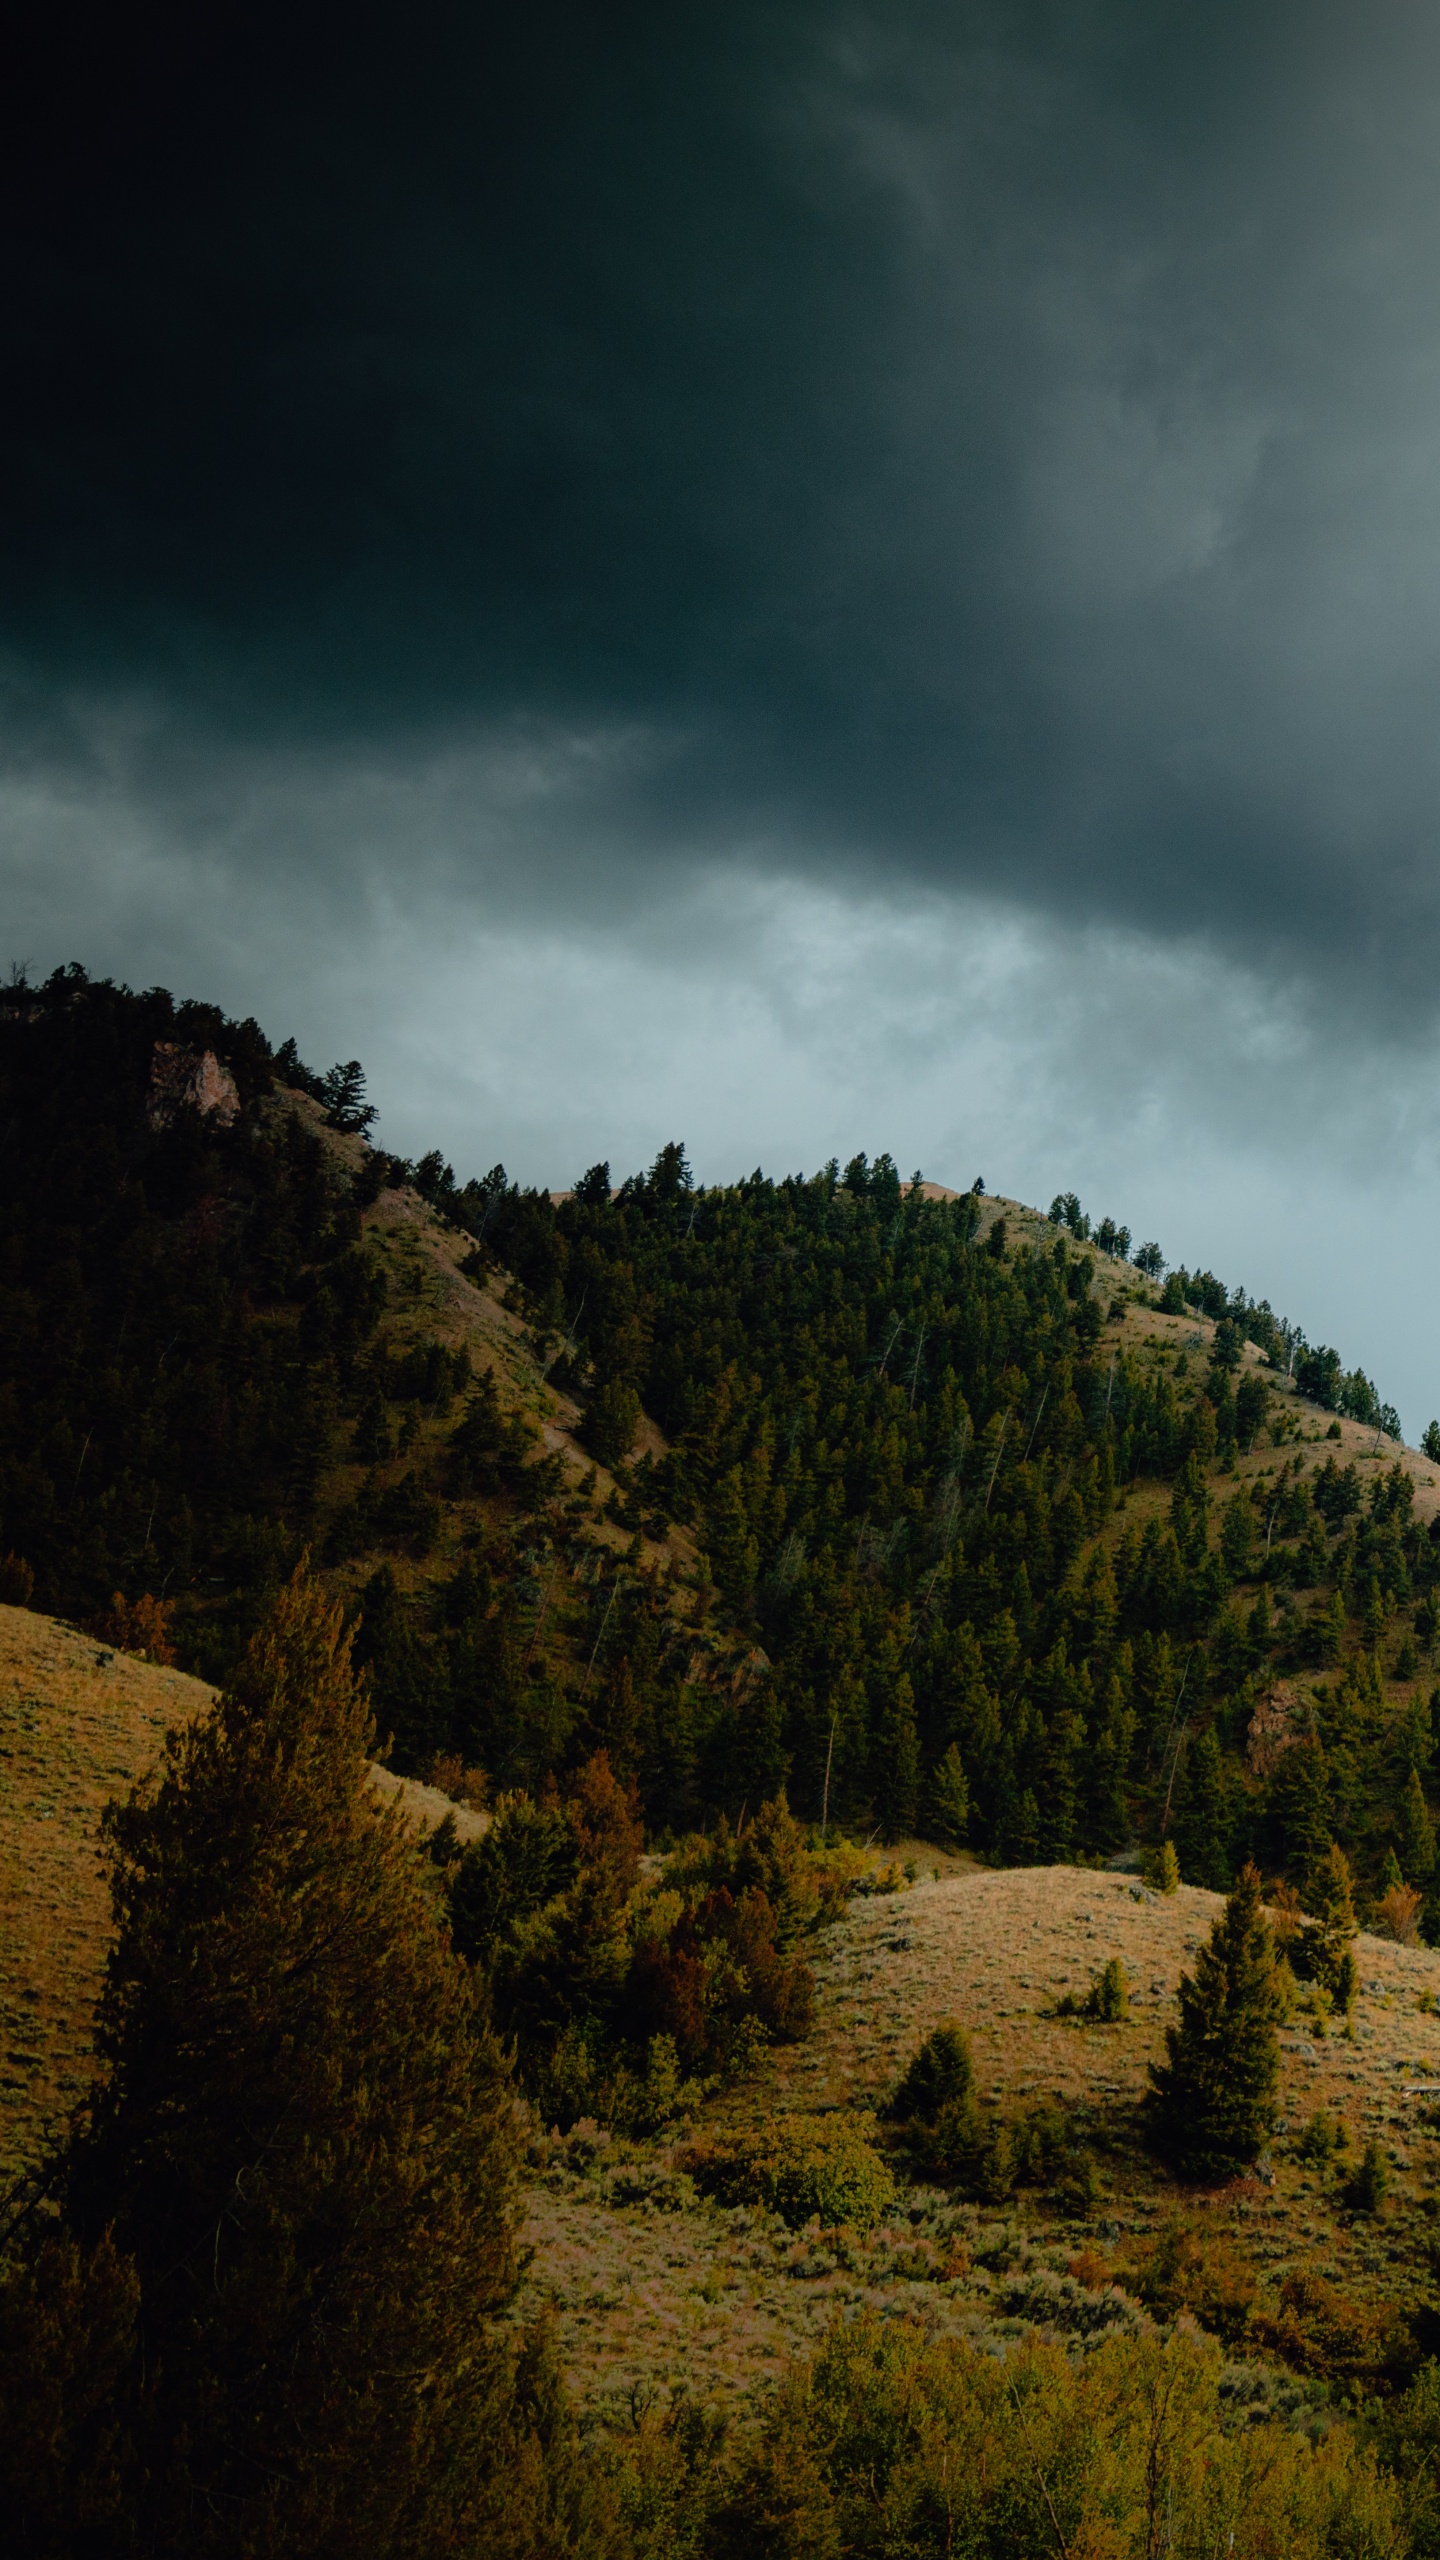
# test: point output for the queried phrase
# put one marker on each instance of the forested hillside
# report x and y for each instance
(923, 1507)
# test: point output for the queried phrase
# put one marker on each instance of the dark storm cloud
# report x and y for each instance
(959, 446)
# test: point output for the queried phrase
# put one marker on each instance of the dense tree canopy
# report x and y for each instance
(964, 1563)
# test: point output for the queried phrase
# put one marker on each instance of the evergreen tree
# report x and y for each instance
(1326, 1947)
(288, 2226)
(949, 1799)
(1211, 2101)
(896, 1782)
(1416, 1843)
(1056, 1793)
(1300, 1808)
(1200, 1815)
(342, 1090)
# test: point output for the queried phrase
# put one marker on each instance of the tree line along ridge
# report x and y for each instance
(953, 1555)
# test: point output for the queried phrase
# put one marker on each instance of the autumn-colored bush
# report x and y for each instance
(137, 1626)
(1397, 1915)
(805, 1886)
(1319, 2329)
(448, 1772)
(715, 1966)
(1185, 2268)
(592, 1969)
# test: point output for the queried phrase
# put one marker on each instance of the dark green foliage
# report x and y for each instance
(612, 1418)
(947, 1804)
(896, 1451)
(1416, 1833)
(268, 2310)
(1366, 2189)
(1211, 2102)
(1200, 1815)
(1322, 2138)
(940, 2075)
(343, 1093)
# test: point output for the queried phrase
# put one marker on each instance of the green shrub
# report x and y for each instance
(895, 2442)
(1107, 2000)
(1322, 2138)
(1369, 2184)
(798, 2166)
(1160, 1868)
(939, 2075)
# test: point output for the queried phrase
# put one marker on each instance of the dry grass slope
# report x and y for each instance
(663, 2292)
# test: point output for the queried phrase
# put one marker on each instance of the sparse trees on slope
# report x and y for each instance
(1211, 2101)
(268, 2315)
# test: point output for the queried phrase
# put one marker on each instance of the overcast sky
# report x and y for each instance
(794, 576)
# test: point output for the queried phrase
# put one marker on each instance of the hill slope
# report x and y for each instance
(914, 1502)
(656, 2290)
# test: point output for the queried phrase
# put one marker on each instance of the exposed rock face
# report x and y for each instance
(189, 1079)
(1273, 1727)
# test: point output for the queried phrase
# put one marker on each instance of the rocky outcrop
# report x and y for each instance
(189, 1080)
(1273, 1727)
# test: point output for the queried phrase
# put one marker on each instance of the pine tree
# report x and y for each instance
(288, 2226)
(1200, 1815)
(1417, 1833)
(949, 1799)
(1300, 1808)
(1326, 1948)
(1056, 1791)
(1211, 2102)
(342, 1090)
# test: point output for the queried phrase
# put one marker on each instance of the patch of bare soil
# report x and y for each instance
(433, 1298)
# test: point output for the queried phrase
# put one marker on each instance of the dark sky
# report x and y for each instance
(813, 576)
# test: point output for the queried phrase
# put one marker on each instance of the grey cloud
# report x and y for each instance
(985, 447)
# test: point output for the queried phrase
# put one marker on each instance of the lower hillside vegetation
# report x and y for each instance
(254, 2310)
(260, 2303)
(628, 1997)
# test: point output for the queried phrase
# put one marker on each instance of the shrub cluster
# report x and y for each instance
(625, 1994)
(799, 2167)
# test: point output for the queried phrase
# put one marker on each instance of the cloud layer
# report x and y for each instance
(827, 575)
